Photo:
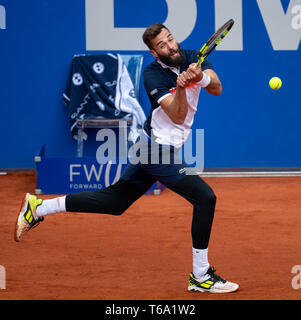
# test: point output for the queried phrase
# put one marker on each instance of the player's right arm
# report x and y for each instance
(176, 107)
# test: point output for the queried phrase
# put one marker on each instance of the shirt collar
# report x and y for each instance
(176, 70)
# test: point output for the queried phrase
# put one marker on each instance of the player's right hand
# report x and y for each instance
(184, 79)
(195, 72)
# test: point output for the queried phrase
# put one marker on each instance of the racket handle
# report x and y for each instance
(197, 64)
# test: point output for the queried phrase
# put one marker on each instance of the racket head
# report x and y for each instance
(214, 40)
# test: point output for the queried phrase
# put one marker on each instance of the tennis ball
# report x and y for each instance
(275, 83)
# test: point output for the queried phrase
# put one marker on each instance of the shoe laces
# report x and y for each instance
(37, 222)
(216, 277)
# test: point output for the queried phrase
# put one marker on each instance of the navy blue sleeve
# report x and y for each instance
(156, 84)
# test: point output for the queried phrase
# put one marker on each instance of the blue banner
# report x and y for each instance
(249, 125)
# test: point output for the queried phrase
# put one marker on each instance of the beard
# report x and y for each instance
(173, 61)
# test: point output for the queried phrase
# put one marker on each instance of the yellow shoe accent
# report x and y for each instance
(27, 217)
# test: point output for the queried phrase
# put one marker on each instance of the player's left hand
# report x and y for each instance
(195, 72)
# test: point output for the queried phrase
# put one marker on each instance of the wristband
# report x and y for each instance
(205, 80)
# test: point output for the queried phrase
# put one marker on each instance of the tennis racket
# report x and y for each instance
(215, 39)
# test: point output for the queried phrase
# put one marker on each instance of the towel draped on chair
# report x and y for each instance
(100, 86)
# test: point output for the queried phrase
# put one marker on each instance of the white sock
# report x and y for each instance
(51, 206)
(200, 262)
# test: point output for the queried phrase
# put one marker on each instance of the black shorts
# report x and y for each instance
(166, 166)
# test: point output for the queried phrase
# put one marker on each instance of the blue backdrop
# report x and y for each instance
(249, 125)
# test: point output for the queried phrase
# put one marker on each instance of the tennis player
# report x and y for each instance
(173, 84)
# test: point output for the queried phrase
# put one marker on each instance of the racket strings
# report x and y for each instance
(215, 39)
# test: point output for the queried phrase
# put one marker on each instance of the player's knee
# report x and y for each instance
(119, 206)
(121, 196)
(118, 211)
(211, 197)
(207, 198)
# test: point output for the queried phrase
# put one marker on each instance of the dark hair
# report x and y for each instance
(151, 32)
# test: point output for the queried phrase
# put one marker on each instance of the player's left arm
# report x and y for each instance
(215, 86)
(196, 74)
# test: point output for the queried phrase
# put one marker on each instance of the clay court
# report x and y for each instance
(145, 254)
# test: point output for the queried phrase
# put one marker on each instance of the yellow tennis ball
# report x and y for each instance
(275, 83)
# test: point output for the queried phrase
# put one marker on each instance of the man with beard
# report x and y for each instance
(173, 83)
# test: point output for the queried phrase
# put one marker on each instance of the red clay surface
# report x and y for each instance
(145, 254)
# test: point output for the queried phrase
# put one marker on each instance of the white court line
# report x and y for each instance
(252, 174)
